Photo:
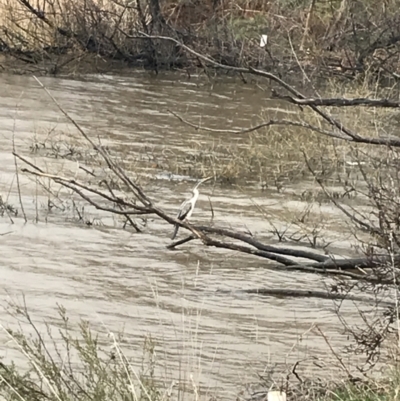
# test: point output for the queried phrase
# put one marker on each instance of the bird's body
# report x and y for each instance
(187, 207)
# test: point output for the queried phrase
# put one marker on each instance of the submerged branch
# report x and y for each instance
(298, 253)
(282, 292)
(326, 265)
(244, 249)
(270, 123)
(340, 102)
(182, 241)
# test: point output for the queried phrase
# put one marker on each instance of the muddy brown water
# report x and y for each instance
(122, 280)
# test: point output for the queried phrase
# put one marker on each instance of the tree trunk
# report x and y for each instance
(156, 15)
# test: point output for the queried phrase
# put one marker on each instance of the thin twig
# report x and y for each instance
(181, 241)
(341, 102)
(116, 169)
(259, 126)
(335, 354)
(17, 176)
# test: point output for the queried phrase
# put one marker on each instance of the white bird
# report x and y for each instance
(187, 207)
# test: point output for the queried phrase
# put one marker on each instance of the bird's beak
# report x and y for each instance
(206, 179)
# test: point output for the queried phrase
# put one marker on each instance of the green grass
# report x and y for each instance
(385, 391)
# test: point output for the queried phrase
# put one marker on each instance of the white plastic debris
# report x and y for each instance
(264, 40)
(276, 396)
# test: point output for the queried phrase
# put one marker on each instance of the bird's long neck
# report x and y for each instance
(195, 194)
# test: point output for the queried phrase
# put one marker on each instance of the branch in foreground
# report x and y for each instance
(331, 266)
(325, 264)
(136, 190)
(175, 244)
(360, 223)
(330, 269)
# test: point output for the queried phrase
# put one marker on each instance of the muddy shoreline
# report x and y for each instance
(73, 66)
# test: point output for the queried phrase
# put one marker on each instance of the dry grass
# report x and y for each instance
(83, 18)
(74, 362)
(275, 155)
(270, 157)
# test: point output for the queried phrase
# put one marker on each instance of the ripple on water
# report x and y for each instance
(118, 279)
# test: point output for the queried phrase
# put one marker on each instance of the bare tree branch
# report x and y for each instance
(295, 293)
(349, 135)
(114, 167)
(339, 102)
(287, 258)
(259, 126)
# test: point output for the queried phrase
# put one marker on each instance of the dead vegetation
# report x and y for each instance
(340, 38)
(72, 360)
(74, 363)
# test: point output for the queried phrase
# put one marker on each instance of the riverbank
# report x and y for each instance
(281, 37)
(70, 360)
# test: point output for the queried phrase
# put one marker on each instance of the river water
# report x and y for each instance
(118, 279)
